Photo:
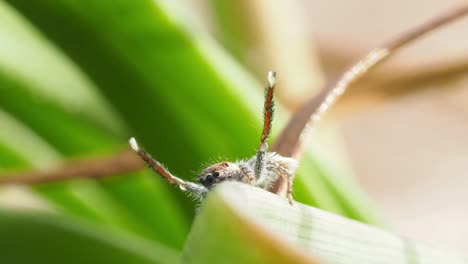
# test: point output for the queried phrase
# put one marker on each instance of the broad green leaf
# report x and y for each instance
(46, 92)
(24, 149)
(28, 54)
(155, 74)
(239, 223)
(164, 86)
(44, 238)
(133, 202)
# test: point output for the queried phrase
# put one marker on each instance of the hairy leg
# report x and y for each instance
(197, 190)
(267, 122)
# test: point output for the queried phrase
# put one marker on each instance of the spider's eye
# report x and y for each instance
(215, 174)
(209, 178)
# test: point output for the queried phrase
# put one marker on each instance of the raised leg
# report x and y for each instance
(268, 110)
(197, 190)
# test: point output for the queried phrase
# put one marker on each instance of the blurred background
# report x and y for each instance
(185, 77)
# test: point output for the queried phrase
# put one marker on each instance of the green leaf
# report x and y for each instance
(50, 97)
(239, 223)
(43, 238)
(132, 201)
(164, 82)
(24, 149)
(26, 53)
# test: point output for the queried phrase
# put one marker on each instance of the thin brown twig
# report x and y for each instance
(334, 59)
(123, 162)
(290, 142)
(413, 80)
(376, 89)
(295, 135)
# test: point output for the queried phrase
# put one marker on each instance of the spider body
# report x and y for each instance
(276, 167)
(262, 170)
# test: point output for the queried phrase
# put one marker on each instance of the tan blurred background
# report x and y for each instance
(409, 153)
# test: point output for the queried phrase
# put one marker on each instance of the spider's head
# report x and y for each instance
(218, 173)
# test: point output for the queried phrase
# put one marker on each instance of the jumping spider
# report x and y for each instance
(262, 170)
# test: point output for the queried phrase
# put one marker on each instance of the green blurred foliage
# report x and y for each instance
(37, 238)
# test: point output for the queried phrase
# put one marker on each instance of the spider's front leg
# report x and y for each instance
(267, 172)
(197, 190)
(268, 111)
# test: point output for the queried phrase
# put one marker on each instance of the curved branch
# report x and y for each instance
(123, 162)
(296, 134)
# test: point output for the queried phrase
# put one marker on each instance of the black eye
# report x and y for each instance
(215, 174)
(209, 178)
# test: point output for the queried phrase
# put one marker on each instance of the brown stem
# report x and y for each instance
(123, 162)
(295, 135)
